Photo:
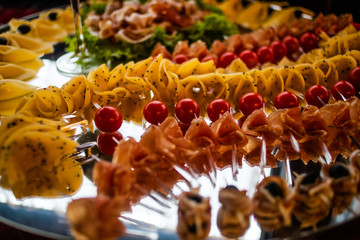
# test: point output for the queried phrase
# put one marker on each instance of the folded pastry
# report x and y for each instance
(233, 217)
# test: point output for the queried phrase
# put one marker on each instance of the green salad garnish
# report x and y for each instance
(214, 26)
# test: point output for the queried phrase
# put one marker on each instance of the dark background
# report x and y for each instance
(16, 8)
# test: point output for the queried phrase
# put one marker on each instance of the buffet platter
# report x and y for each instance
(152, 177)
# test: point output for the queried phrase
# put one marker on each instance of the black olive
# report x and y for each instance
(310, 178)
(3, 41)
(298, 13)
(274, 189)
(338, 171)
(196, 198)
(231, 187)
(52, 16)
(24, 29)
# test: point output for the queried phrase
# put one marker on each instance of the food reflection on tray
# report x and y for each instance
(211, 92)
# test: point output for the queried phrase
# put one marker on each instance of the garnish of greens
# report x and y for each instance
(215, 26)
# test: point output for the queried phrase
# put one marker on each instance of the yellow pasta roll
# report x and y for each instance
(236, 66)
(79, 90)
(344, 64)
(21, 41)
(312, 76)
(259, 82)
(13, 71)
(329, 70)
(293, 80)
(16, 55)
(205, 67)
(11, 93)
(187, 68)
(40, 28)
(238, 84)
(62, 17)
(274, 82)
(35, 161)
(355, 54)
(312, 56)
(50, 102)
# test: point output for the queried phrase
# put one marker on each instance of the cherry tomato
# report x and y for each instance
(308, 41)
(279, 50)
(250, 102)
(108, 119)
(317, 95)
(226, 58)
(180, 58)
(354, 78)
(217, 108)
(208, 58)
(291, 43)
(106, 143)
(155, 112)
(356, 25)
(342, 89)
(286, 100)
(265, 54)
(186, 110)
(249, 58)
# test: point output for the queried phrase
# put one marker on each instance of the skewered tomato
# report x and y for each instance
(186, 110)
(279, 50)
(291, 43)
(217, 108)
(308, 41)
(317, 95)
(286, 100)
(180, 58)
(249, 58)
(155, 112)
(342, 90)
(250, 102)
(265, 54)
(354, 78)
(106, 142)
(226, 58)
(209, 58)
(108, 119)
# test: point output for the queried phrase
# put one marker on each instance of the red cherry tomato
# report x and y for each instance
(286, 100)
(108, 119)
(279, 50)
(217, 108)
(186, 110)
(265, 54)
(249, 58)
(209, 58)
(291, 43)
(180, 58)
(308, 41)
(342, 89)
(317, 95)
(356, 25)
(106, 143)
(250, 102)
(354, 78)
(226, 58)
(155, 112)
